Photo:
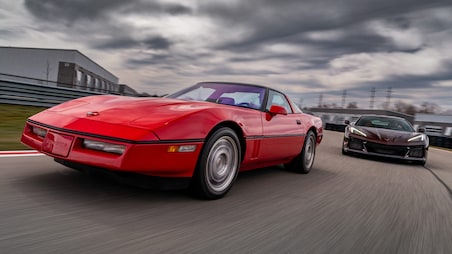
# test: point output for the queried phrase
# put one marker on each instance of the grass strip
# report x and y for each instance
(12, 122)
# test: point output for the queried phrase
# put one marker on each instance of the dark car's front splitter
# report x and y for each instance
(348, 150)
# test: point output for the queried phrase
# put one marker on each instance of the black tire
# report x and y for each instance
(343, 148)
(218, 165)
(304, 161)
(422, 162)
(343, 151)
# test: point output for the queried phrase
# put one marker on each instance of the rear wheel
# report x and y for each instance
(304, 161)
(218, 165)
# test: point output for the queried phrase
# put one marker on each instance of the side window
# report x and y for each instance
(275, 98)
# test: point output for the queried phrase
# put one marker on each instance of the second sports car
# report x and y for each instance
(385, 136)
(205, 134)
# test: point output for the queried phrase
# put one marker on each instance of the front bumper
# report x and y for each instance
(411, 153)
(155, 158)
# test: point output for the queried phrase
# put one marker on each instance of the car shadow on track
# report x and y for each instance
(67, 184)
(382, 159)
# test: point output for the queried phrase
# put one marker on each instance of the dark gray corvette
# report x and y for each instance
(385, 136)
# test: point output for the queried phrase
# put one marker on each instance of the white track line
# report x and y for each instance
(20, 153)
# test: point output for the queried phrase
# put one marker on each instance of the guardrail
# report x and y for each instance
(22, 93)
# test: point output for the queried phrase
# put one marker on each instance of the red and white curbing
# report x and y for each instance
(20, 153)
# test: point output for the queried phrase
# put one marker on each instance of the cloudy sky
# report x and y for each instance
(308, 48)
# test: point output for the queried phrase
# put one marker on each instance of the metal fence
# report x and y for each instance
(24, 93)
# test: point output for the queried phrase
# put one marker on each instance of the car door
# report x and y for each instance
(282, 134)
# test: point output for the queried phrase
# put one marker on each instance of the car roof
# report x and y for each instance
(230, 83)
(239, 83)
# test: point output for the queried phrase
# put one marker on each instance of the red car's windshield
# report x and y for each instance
(224, 93)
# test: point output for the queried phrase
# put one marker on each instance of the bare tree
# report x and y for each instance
(429, 108)
(352, 105)
(404, 107)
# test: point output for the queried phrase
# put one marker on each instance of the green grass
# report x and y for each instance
(12, 122)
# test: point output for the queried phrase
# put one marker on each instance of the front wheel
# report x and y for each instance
(343, 150)
(218, 165)
(304, 161)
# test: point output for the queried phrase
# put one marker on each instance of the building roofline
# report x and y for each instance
(54, 49)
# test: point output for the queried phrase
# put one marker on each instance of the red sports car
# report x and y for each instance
(204, 134)
(385, 136)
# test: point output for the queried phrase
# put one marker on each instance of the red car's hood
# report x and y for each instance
(387, 136)
(127, 110)
(96, 114)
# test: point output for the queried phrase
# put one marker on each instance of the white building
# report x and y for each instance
(56, 67)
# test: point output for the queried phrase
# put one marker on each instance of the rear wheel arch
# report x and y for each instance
(304, 161)
(314, 130)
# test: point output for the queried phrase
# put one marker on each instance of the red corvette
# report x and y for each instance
(204, 134)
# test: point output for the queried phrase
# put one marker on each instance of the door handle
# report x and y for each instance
(298, 122)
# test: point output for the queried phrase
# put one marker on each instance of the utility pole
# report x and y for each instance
(372, 97)
(300, 102)
(320, 100)
(47, 71)
(344, 96)
(388, 98)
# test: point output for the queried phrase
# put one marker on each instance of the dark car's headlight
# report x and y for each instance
(420, 137)
(357, 132)
(104, 146)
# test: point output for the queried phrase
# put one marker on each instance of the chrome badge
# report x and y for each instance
(92, 113)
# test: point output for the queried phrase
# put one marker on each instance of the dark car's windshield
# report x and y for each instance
(385, 123)
(224, 93)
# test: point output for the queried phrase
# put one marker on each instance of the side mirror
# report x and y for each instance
(347, 122)
(277, 110)
(421, 129)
